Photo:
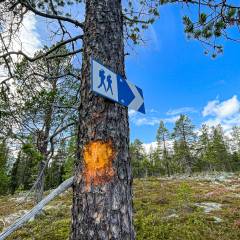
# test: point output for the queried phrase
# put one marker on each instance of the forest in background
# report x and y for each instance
(184, 150)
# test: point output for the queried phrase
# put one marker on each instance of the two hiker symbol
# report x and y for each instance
(102, 81)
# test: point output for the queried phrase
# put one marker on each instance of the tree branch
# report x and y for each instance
(27, 5)
(42, 55)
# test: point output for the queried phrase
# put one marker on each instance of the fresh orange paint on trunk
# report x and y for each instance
(98, 157)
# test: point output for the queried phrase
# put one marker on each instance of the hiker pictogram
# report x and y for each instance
(109, 81)
(102, 81)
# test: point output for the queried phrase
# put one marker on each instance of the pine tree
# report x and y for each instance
(219, 153)
(4, 180)
(24, 170)
(184, 139)
(235, 148)
(14, 182)
(68, 168)
(163, 137)
(235, 134)
(45, 106)
(204, 148)
(137, 158)
(55, 170)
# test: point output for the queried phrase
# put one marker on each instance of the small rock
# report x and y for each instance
(13, 217)
(217, 219)
(174, 215)
(217, 192)
(209, 206)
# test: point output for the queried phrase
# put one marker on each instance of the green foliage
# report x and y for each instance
(184, 139)
(29, 150)
(4, 183)
(202, 18)
(186, 151)
(25, 167)
(55, 171)
(4, 179)
(138, 159)
(54, 174)
(68, 168)
(184, 193)
(219, 152)
(163, 138)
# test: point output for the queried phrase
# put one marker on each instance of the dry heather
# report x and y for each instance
(180, 208)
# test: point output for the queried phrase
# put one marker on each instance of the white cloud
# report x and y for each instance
(28, 35)
(146, 121)
(180, 110)
(149, 146)
(153, 110)
(26, 39)
(171, 119)
(149, 119)
(131, 113)
(222, 109)
(225, 113)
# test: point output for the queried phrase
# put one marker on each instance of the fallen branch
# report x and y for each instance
(34, 211)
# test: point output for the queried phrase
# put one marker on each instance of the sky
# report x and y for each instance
(175, 75)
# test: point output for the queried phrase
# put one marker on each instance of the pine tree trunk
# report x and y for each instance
(39, 189)
(102, 191)
(168, 168)
(42, 145)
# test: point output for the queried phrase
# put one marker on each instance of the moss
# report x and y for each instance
(163, 210)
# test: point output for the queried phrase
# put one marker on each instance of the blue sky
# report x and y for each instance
(176, 77)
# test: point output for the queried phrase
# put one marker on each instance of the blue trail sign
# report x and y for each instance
(113, 86)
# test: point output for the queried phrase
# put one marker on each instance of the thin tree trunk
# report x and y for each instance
(39, 189)
(102, 189)
(43, 145)
(168, 168)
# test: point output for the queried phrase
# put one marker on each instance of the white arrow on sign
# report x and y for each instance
(138, 100)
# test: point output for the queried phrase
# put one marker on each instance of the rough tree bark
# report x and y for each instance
(102, 193)
(43, 145)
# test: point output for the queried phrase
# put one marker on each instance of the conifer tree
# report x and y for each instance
(24, 170)
(137, 158)
(184, 139)
(14, 181)
(42, 109)
(163, 137)
(4, 180)
(219, 151)
(68, 168)
(204, 148)
(55, 170)
(235, 134)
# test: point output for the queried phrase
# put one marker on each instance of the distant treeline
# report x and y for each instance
(22, 174)
(187, 150)
(184, 150)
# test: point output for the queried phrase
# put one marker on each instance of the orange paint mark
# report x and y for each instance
(98, 157)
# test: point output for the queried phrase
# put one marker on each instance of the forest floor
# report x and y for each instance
(203, 207)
